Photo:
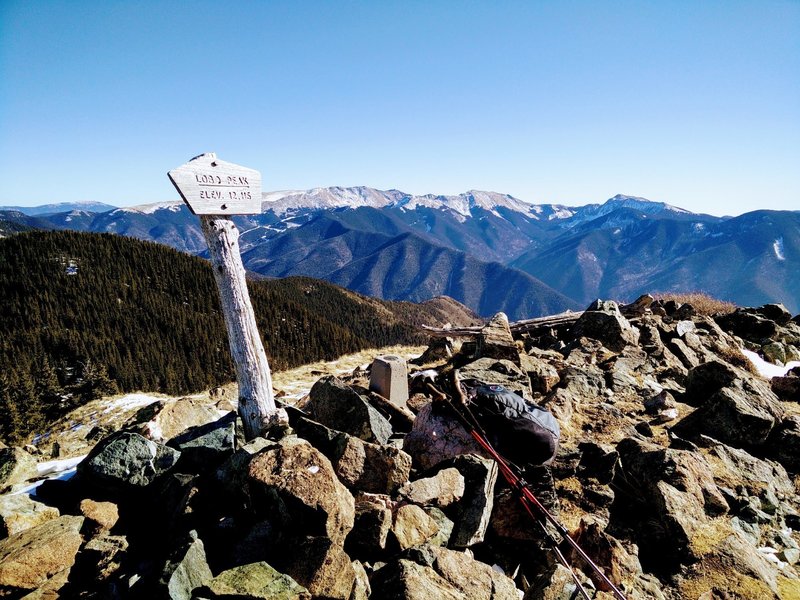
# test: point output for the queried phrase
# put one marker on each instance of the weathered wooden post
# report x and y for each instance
(214, 190)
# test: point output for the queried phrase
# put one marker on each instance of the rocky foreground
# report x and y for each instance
(678, 472)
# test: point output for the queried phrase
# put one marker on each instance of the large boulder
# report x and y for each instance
(16, 466)
(784, 444)
(752, 327)
(165, 419)
(500, 372)
(707, 379)
(471, 515)
(338, 406)
(254, 581)
(495, 340)
(126, 461)
(204, 447)
(322, 567)
(542, 375)
(19, 512)
(732, 416)
(442, 489)
(474, 579)
(436, 436)
(30, 558)
(295, 484)
(373, 521)
(679, 489)
(407, 580)
(186, 569)
(604, 322)
(412, 526)
(774, 312)
(786, 388)
(361, 466)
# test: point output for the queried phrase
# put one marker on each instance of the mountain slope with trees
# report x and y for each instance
(88, 314)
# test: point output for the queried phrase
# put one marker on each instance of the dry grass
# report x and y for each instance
(702, 302)
(295, 383)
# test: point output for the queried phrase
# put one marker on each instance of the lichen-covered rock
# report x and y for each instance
(254, 581)
(361, 586)
(16, 466)
(412, 526)
(126, 461)
(19, 512)
(295, 484)
(751, 327)
(30, 558)
(186, 569)
(340, 407)
(97, 563)
(679, 489)
(707, 379)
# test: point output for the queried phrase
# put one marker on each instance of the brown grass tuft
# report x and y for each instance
(702, 302)
(735, 357)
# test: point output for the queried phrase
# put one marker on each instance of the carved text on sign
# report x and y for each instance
(215, 187)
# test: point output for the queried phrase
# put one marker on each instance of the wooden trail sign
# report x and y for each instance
(193, 180)
(215, 187)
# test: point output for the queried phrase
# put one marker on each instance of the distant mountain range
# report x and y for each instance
(490, 251)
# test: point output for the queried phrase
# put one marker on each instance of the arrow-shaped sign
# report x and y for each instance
(214, 187)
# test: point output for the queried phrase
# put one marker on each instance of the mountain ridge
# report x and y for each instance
(646, 245)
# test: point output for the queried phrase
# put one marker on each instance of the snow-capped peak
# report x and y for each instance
(149, 209)
(355, 197)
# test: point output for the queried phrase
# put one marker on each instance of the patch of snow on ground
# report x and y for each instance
(61, 470)
(767, 369)
(777, 246)
(58, 466)
(130, 402)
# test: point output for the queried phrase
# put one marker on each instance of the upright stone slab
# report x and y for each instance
(389, 378)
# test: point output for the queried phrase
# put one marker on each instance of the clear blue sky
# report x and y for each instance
(692, 103)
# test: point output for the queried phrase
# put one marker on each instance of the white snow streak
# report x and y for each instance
(777, 246)
(130, 402)
(767, 369)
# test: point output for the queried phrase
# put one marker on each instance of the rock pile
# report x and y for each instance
(678, 472)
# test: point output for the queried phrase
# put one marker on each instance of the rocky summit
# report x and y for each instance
(677, 472)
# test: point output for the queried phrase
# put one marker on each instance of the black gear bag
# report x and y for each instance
(524, 432)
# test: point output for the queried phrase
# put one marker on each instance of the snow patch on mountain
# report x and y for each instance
(777, 247)
(149, 209)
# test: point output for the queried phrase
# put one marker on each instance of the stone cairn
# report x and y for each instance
(678, 473)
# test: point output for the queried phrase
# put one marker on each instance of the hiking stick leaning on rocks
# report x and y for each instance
(529, 501)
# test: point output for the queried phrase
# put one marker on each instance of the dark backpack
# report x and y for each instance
(522, 432)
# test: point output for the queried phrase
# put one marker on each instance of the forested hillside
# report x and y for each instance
(88, 314)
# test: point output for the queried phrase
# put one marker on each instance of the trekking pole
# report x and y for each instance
(518, 484)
